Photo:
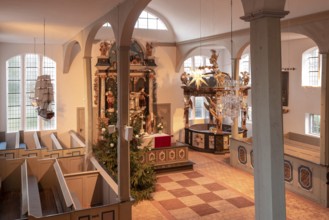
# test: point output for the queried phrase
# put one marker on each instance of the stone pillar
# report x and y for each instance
(88, 105)
(265, 47)
(324, 123)
(235, 76)
(123, 116)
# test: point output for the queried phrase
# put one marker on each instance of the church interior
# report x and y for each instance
(216, 109)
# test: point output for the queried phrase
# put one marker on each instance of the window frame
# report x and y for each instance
(308, 68)
(43, 63)
(311, 125)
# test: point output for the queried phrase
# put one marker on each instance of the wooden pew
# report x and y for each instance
(36, 140)
(55, 143)
(75, 140)
(25, 206)
(66, 193)
(34, 202)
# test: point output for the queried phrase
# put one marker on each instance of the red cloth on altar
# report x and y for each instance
(162, 141)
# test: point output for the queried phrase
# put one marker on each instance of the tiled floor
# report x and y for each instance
(214, 190)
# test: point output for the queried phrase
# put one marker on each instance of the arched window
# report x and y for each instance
(146, 20)
(22, 72)
(311, 75)
(195, 62)
(198, 111)
(244, 65)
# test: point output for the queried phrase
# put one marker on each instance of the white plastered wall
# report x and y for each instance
(302, 100)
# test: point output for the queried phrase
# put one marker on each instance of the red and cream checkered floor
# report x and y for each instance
(214, 190)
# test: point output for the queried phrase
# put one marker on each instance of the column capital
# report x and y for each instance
(263, 14)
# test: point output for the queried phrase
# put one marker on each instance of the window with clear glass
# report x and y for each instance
(244, 65)
(147, 20)
(22, 73)
(311, 75)
(195, 62)
(314, 124)
(14, 93)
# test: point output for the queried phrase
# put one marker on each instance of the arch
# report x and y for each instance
(122, 19)
(241, 50)
(70, 52)
(313, 26)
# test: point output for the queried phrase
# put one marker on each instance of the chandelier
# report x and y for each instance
(230, 99)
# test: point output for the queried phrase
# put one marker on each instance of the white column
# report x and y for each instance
(324, 123)
(88, 105)
(265, 47)
(123, 114)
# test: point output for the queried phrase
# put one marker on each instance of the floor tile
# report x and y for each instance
(184, 213)
(203, 180)
(198, 189)
(164, 179)
(191, 200)
(159, 188)
(178, 176)
(172, 204)
(204, 209)
(163, 195)
(240, 202)
(214, 186)
(226, 194)
(223, 205)
(187, 183)
(192, 175)
(171, 185)
(180, 192)
(209, 197)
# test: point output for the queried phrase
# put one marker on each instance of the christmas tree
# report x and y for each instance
(142, 175)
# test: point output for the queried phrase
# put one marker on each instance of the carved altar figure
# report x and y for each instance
(245, 78)
(220, 78)
(149, 123)
(132, 97)
(187, 105)
(213, 58)
(211, 107)
(184, 78)
(149, 48)
(110, 101)
(104, 47)
(142, 98)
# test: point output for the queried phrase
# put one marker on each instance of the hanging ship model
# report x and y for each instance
(43, 97)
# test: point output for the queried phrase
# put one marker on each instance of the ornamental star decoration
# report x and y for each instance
(198, 78)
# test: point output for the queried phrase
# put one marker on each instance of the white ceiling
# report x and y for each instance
(22, 20)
